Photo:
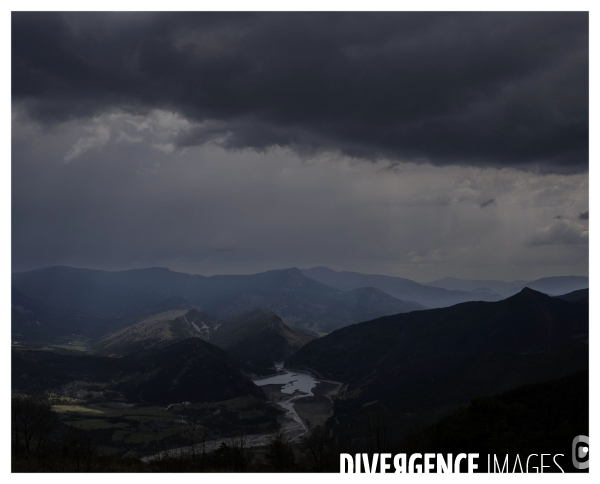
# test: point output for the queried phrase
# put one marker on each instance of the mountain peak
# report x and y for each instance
(529, 293)
(293, 271)
(528, 290)
(260, 312)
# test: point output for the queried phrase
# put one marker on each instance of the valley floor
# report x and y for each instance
(302, 414)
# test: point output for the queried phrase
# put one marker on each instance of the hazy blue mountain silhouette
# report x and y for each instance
(401, 288)
(299, 299)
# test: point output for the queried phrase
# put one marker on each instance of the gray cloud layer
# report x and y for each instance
(483, 89)
(110, 193)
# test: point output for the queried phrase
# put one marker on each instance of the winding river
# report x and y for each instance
(296, 385)
(293, 385)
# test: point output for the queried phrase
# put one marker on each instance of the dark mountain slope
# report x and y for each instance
(156, 331)
(32, 320)
(527, 321)
(363, 303)
(101, 292)
(296, 297)
(537, 418)
(401, 288)
(582, 296)
(40, 371)
(260, 337)
(190, 370)
(443, 357)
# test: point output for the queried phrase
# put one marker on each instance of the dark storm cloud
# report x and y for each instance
(584, 215)
(491, 201)
(491, 89)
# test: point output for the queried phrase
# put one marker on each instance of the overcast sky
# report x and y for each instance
(421, 145)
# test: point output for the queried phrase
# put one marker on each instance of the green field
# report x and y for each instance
(145, 428)
(118, 430)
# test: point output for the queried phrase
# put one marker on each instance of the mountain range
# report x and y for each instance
(406, 289)
(297, 298)
(553, 286)
(444, 292)
(259, 318)
(155, 337)
(476, 285)
(556, 286)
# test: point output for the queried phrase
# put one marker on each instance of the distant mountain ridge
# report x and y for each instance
(401, 288)
(447, 291)
(298, 298)
(319, 299)
(33, 320)
(555, 286)
(552, 286)
(470, 285)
